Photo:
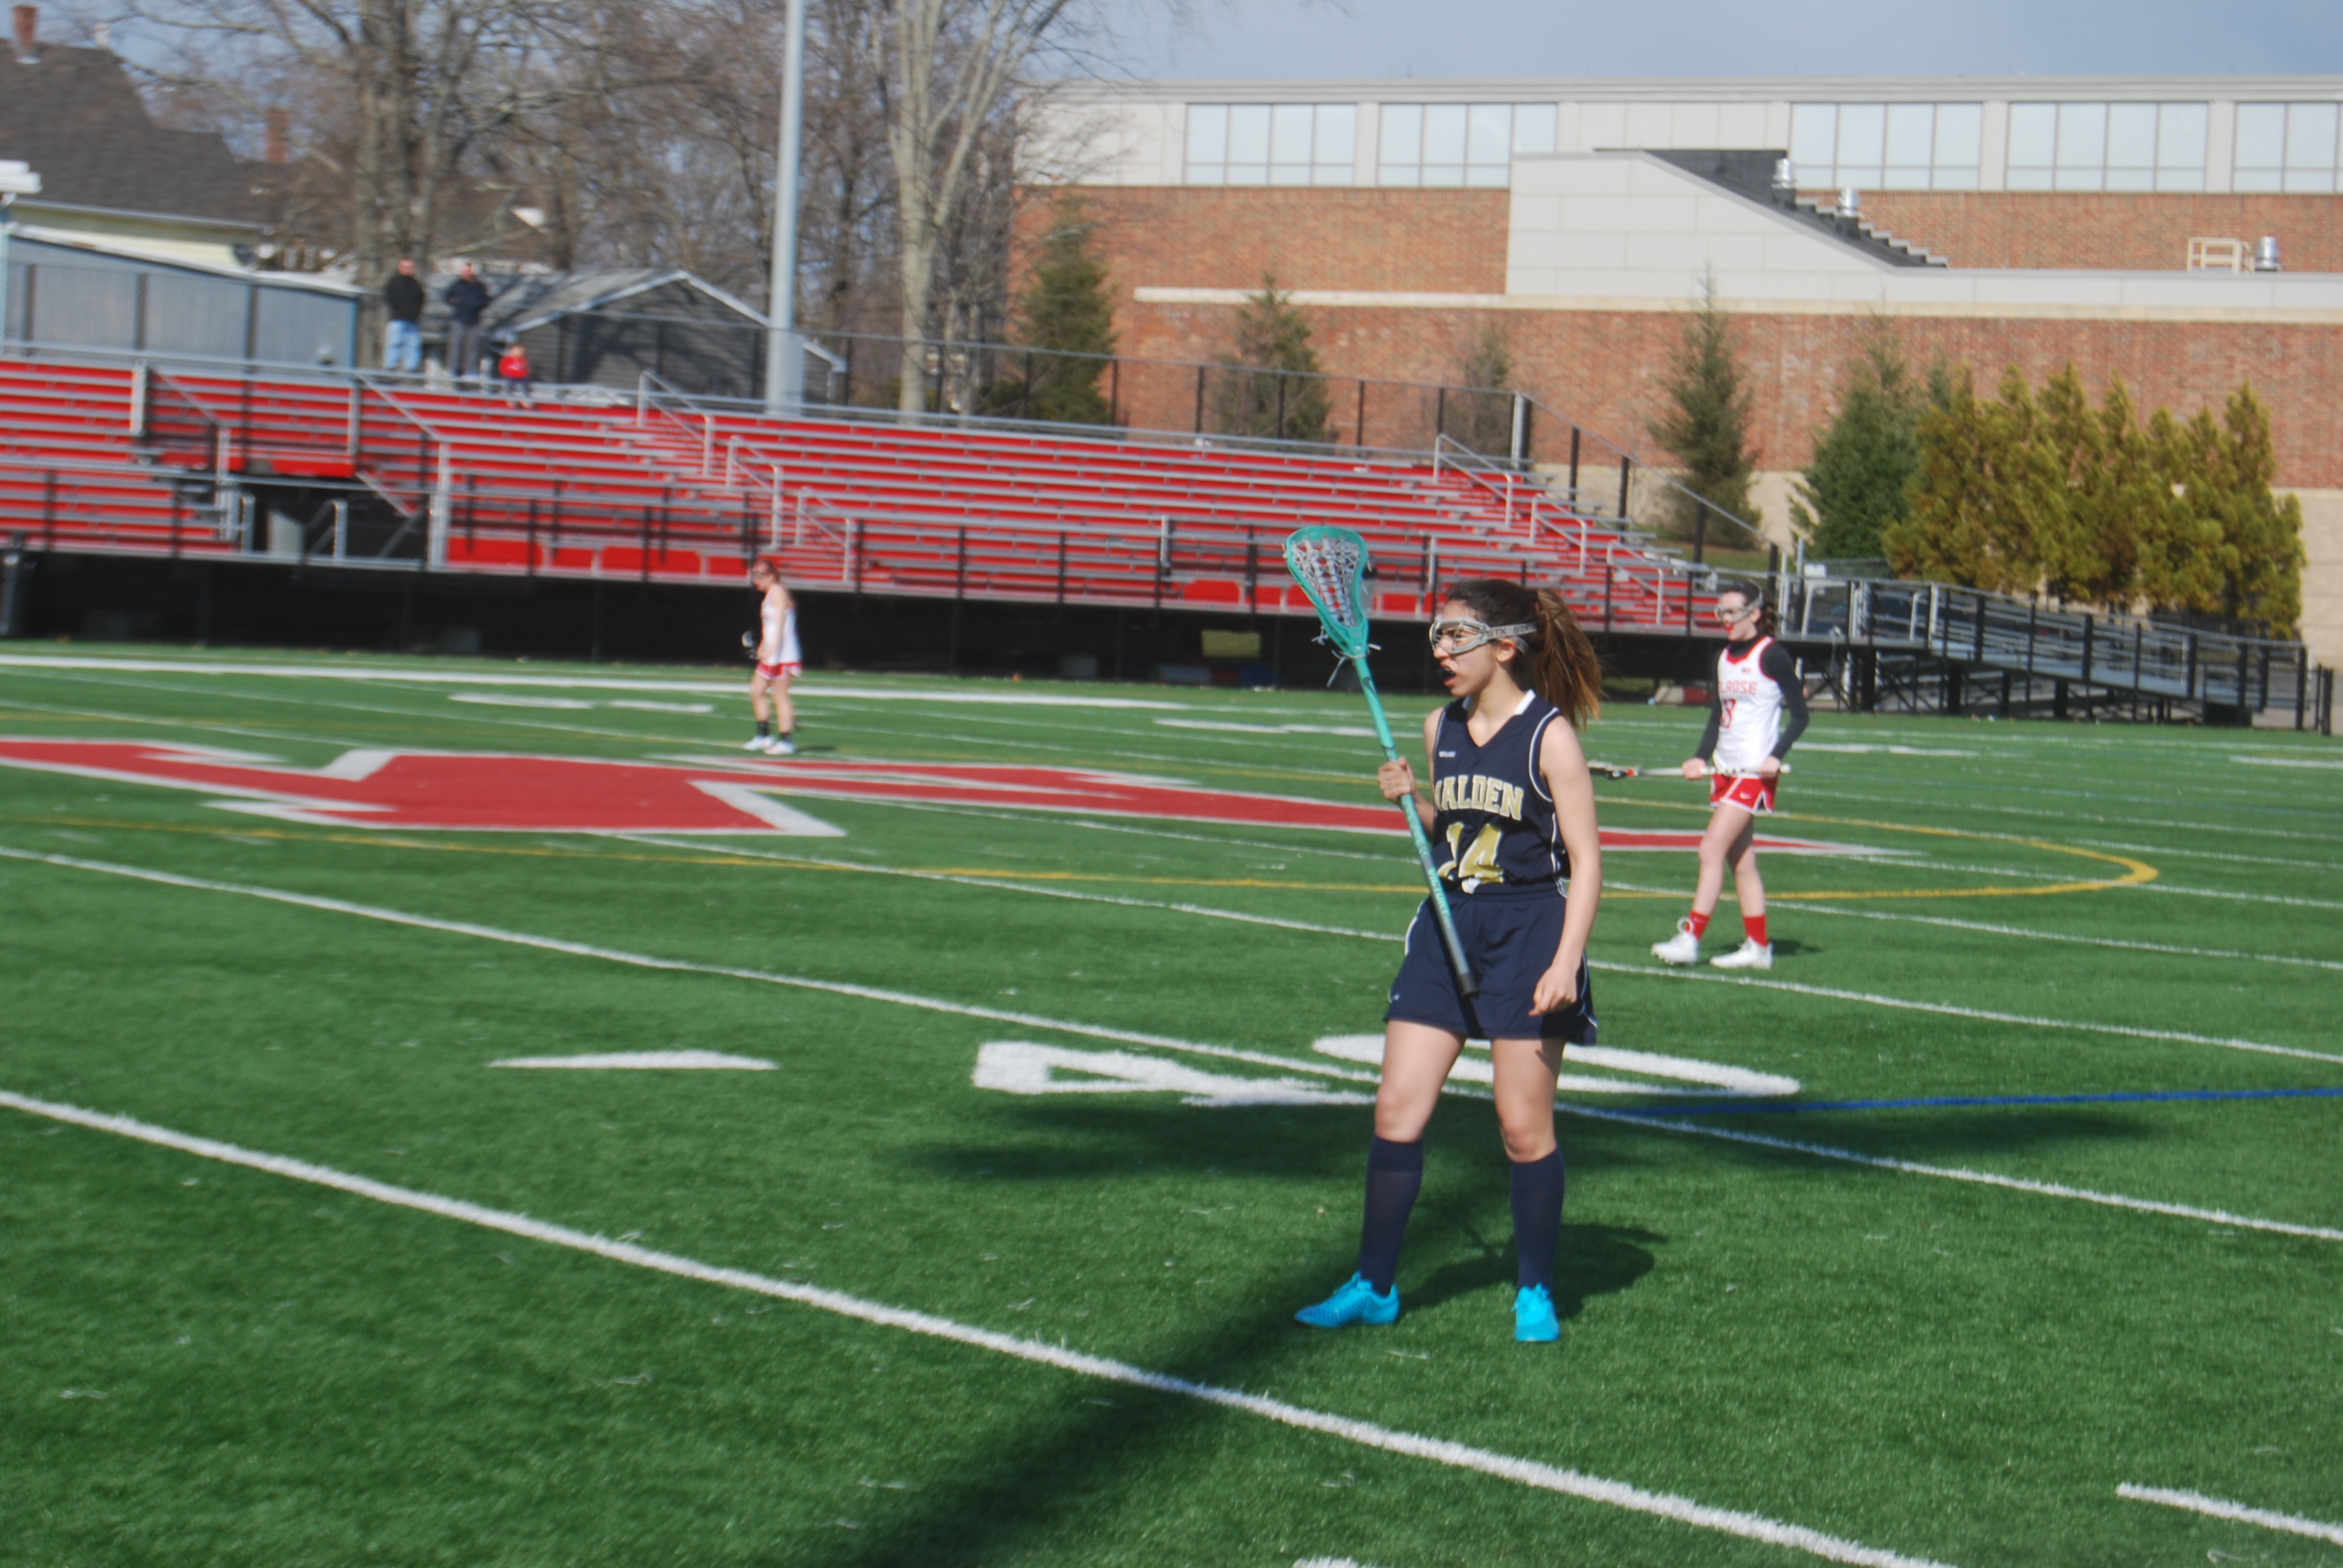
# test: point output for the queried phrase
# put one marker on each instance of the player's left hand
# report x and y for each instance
(1556, 988)
(1769, 768)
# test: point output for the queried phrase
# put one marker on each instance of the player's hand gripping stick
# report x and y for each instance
(1331, 566)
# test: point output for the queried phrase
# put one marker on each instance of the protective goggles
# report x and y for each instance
(1463, 635)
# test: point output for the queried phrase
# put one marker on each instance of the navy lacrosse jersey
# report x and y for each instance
(1506, 865)
(1492, 814)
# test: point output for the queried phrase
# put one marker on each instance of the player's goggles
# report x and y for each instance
(1462, 635)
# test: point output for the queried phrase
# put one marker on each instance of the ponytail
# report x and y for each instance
(1565, 668)
(1556, 662)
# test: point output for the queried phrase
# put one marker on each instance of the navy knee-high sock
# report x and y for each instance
(1537, 1217)
(1394, 1175)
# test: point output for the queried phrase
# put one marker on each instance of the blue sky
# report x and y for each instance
(1395, 38)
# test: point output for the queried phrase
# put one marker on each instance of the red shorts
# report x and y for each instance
(780, 671)
(1750, 791)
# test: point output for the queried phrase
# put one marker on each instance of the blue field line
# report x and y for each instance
(1755, 1107)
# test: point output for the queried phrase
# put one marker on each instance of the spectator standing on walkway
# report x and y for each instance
(402, 339)
(465, 298)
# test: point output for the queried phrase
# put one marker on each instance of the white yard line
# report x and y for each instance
(435, 714)
(1978, 1177)
(2056, 814)
(702, 685)
(1865, 998)
(1033, 819)
(1456, 1455)
(679, 966)
(1131, 1037)
(2197, 1503)
(1013, 886)
(2163, 850)
(1982, 1014)
(2234, 898)
(1801, 907)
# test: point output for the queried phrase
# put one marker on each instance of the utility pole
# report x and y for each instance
(784, 357)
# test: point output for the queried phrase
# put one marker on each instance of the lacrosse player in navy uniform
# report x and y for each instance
(1512, 807)
(1756, 715)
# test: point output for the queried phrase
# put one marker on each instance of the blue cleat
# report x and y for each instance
(1533, 1319)
(1355, 1303)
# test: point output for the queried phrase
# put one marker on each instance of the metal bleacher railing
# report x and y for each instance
(398, 474)
(1921, 647)
(365, 471)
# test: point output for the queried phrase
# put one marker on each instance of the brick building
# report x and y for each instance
(2116, 223)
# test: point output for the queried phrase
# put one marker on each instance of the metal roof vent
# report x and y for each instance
(1785, 179)
(2266, 255)
(1850, 203)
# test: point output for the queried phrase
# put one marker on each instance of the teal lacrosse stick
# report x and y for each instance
(1331, 565)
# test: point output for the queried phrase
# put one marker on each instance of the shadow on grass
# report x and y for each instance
(1005, 1498)
(1594, 1261)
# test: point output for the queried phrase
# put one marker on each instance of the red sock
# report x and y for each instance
(1699, 923)
(1754, 926)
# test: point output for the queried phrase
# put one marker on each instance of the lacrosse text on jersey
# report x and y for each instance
(1490, 807)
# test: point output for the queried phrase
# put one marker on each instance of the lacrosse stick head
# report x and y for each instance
(1331, 565)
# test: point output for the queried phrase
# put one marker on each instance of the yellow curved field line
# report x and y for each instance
(2135, 873)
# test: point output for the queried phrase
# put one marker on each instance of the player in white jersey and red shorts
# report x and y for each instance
(779, 661)
(1755, 714)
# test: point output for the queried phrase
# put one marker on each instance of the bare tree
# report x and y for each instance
(421, 89)
(955, 65)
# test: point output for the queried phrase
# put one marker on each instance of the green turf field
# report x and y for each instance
(1833, 1288)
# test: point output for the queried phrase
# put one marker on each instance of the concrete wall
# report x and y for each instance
(2322, 574)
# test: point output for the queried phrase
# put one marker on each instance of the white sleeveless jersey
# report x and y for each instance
(779, 635)
(1750, 703)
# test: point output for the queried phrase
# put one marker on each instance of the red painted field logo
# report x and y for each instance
(495, 791)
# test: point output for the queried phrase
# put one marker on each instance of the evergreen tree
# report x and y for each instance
(1249, 398)
(1863, 462)
(1482, 416)
(1978, 499)
(2092, 506)
(2064, 504)
(2260, 561)
(1706, 424)
(2177, 559)
(1067, 307)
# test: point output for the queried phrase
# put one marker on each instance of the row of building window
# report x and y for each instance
(1871, 146)
(1316, 144)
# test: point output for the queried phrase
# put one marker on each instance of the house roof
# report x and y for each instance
(515, 304)
(74, 116)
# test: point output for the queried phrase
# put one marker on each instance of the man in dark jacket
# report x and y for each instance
(465, 298)
(402, 299)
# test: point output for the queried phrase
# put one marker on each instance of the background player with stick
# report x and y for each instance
(779, 661)
(1756, 712)
(1512, 806)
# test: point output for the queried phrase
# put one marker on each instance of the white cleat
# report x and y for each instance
(781, 748)
(1683, 948)
(754, 743)
(1749, 955)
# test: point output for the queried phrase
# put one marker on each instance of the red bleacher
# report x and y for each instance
(105, 458)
